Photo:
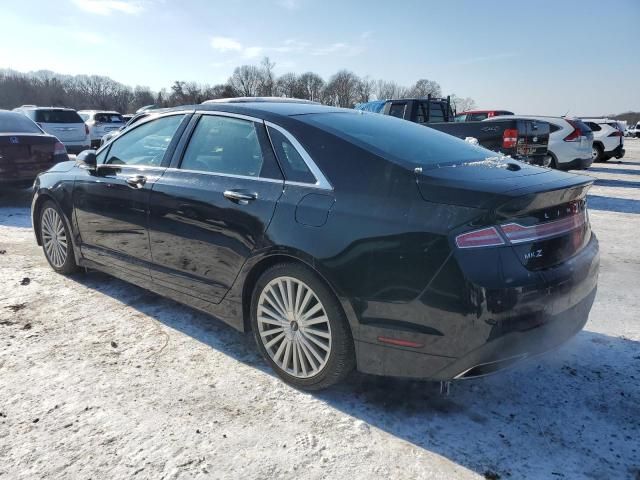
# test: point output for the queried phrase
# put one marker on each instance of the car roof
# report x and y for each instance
(485, 111)
(46, 108)
(262, 109)
(535, 117)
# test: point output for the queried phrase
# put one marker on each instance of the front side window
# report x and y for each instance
(145, 145)
(225, 145)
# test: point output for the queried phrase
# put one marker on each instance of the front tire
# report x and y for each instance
(56, 239)
(300, 327)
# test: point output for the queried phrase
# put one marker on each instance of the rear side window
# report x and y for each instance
(145, 145)
(553, 127)
(397, 110)
(461, 118)
(57, 116)
(405, 143)
(294, 166)
(594, 126)
(436, 114)
(229, 146)
(17, 123)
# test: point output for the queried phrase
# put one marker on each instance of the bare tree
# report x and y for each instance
(462, 104)
(288, 85)
(245, 80)
(387, 90)
(341, 90)
(365, 89)
(267, 83)
(311, 85)
(424, 88)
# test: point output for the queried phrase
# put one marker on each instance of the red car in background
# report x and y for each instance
(479, 115)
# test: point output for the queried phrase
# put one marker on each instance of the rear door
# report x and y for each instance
(211, 209)
(111, 204)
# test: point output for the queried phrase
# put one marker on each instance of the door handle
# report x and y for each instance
(136, 181)
(242, 198)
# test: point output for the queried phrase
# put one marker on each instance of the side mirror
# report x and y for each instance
(87, 159)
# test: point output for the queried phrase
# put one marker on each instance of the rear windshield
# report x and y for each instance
(108, 118)
(57, 116)
(403, 142)
(17, 123)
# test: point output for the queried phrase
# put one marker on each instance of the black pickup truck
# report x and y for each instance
(525, 140)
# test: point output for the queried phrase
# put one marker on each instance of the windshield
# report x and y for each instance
(57, 116)
(17, 123)
(403, 142)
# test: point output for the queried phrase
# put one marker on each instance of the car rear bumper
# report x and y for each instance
(617, 152)
(576, 164)
(536, 318)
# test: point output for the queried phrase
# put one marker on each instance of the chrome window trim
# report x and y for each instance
(229, 114)
(229, 175)
(321, 181)
(115, 166)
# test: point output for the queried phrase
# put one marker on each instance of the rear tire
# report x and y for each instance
(56, 239)
(300, 327)
(597, 153)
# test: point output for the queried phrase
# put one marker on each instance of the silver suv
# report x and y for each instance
(100, 123)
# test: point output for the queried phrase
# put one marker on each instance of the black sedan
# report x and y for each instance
(25, 150)
(342, 239)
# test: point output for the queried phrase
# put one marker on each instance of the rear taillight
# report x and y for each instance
(86, 129)
(617, 133)
(486, 237)
(575, 135)
(59, 149)
(510, 138)
(515, 233)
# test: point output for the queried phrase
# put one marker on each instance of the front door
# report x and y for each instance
(211, 211)
(111, 204)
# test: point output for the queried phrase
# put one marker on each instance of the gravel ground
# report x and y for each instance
(100, 379)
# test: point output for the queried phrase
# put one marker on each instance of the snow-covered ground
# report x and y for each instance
(100, 379)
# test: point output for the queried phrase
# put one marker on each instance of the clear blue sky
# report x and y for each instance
(538, 57)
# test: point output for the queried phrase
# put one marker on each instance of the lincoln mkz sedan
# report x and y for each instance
(341, 239)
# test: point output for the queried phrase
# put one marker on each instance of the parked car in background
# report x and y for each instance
(633, 130)
(524, 140)
(25, 149)
(442, 262)
(101, 122)
(570, 142)
(479, 115)
(134, 118)
(608, 139)
(63, 123)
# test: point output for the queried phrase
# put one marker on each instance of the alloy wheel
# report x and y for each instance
(595, 153)
(54, 238)
(294, 328)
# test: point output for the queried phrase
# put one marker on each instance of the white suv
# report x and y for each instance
(570, 142)
(101, 122)
(608, 139)
(63, 123)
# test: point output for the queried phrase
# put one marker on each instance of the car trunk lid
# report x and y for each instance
(23, 156)
(540, 213)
